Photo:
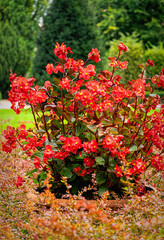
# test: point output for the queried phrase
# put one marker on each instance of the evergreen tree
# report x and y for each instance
(71, 22)
(18, 24)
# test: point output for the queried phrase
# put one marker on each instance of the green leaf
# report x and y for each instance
(87, 177)
(35, 181)
(56, 80)
(37, 154)
(103, 188)
(100, 160)
(42, 175)
(80, 129)
(66, 172)
(31, 172)
(101, 177)
(92, 128)
(133, 148)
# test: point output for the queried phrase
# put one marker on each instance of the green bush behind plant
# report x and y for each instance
(156, 53)
(134, 56)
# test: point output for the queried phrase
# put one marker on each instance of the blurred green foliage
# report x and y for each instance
(128, 16)
(71, 22)
(19, 26)
(156, 53)
(134, 56)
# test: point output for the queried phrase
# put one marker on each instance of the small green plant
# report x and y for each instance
(88, 125)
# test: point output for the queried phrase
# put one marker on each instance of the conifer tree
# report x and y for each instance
(18, 24)
(71, 22)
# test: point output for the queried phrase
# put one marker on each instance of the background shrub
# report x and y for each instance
(134, 56)
(156, 53)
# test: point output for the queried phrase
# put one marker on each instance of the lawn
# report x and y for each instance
(9, 117)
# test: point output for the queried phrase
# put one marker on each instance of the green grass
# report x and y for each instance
(9, 118)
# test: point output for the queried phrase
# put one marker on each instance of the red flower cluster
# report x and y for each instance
(138, 168)
(50, 68)
(21, 90)
(118, 171)
(84, 96)
(122, 47)
(123, 65)
(118, 93)
(159, 80)
(139, 88)
(150, 62)
(112, 143)
(37, 162)
(94, 55)
(23, 133)
(10, 136)
(88, 162)
(19, 182)
(87, 72)
(65, 83)
(61, 51)
(157, 162)
(91, 146)
(71, 144)
(83, 172)
(48, 152)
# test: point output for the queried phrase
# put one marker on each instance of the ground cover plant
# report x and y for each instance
(90, 128)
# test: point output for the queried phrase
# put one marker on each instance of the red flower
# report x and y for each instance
(139, 166)
(123, 65)
(122, 47)
(118, 93)
(61, 51)
(50, 68)
(22, 132)
(47, 84)
(84, 96)
(19, 182)
(150, 62)
(83, 173)
(94, 55)
(36, 162)
(88, 162)
(48, 152)
(118, 171)
(113, 63)
(61, 155)
(90, 146)
(72, 145)
(77, 170)
(87, 72)
(139, 87)
(65, 83)
(157, 162)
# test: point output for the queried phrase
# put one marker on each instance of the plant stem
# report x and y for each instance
(36, 124)
(45, 125)
(63, 110)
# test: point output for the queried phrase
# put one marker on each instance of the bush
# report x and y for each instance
(91, 129)
(157, 55)
(134, 56)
